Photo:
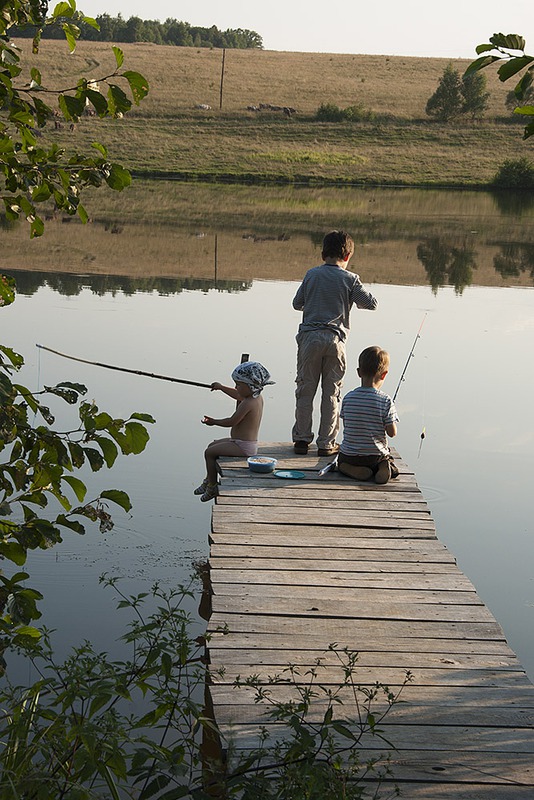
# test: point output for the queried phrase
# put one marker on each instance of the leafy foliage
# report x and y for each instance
(32, 171)
(509, 50)
(37, 471)
(93, 727)
(457, 96)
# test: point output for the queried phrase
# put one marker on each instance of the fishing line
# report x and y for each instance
(123, 369)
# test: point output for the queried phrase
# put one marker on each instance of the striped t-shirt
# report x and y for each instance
(365, 413)
(326, 296)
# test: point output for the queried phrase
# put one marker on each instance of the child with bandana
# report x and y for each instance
(250, 379)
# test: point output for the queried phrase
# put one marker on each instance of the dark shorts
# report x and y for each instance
(368, 461)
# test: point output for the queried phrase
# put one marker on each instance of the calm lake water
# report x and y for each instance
(468, 380)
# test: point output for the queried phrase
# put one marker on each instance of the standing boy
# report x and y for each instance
(369, 417)
(325, 296)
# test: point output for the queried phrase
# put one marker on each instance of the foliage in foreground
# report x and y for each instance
(41, 495)
(509, 50)
(33, 171)
(94, 727)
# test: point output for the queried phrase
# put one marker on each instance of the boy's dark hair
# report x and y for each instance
(373, 361)
(338, 245)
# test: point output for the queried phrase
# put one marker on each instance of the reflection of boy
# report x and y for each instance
(325, 296)
(369, 417)
(250, 378)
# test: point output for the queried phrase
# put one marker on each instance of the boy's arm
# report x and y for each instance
(391, 429)
(229, 390)
(228, 422)
(361, 297)
(298, 300)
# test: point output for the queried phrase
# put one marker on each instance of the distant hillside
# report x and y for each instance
(180, 130)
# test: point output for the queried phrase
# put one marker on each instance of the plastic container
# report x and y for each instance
(261, 464)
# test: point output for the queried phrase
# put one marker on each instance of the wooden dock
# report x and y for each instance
(297, 565)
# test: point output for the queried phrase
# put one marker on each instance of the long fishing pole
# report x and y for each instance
(409, 357)
(333, 463)
(123, 369)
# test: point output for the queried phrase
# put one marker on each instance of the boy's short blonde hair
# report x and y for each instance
(338, 245)
(373, 361)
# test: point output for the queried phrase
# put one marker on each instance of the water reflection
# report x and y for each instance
(168, 238)
(28, 283)
(446, 264)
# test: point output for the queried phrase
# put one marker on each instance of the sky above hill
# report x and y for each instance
(448, 29)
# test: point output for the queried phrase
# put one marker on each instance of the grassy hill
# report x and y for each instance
(398, 145)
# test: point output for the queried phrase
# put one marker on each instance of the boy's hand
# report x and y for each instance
(207, 421)
(215, 386)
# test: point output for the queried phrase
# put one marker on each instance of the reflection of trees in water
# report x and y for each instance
(514, 259)
(447, 264)
(513, 202)
(72, 285)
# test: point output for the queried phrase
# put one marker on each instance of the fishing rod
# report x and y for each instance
(409, 356)
(333, 463)
(123, 369)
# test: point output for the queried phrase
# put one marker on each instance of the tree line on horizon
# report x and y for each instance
(170, 32)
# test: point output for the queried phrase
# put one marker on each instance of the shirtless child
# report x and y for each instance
(250, 379)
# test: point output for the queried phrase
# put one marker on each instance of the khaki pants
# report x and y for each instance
(320, 357)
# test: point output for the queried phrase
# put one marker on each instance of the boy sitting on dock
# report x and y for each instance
(250, 379)
(369, 417)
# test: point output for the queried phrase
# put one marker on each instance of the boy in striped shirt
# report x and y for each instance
(369, 417)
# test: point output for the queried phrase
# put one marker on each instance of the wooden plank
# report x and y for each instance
(405, 550)
(224, 525)
(424, 548)
(404, 483)
(287, 491)
(436, 697)
(448, 648)
(333, 676)
(342, 517)
(381, 565)
(383, 658)
(363, 504)
(356, 630)
(261, 579)
(317, 595)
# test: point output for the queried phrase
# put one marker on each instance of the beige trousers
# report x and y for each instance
(320, 358)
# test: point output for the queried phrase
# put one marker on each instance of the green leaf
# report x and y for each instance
(71, 107)
(29, 631)
(525, 110)
(119, 56)
(98, 101)
(7, 290)
(100, 147)
(72, 524)
(118, 178)
(118, 102)
(82, 213)
(71, 32)
(138, 85)
(109, 450)
(79, 488)
(142, 417)
(508, 41)
(480, 63)
(118, 497)
(512, 67)
(14, 552)
(36, 227)
(95, 459)
(41, 193)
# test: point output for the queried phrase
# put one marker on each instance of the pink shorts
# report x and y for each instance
(249, 448)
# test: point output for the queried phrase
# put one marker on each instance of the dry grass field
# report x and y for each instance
(399, 145)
